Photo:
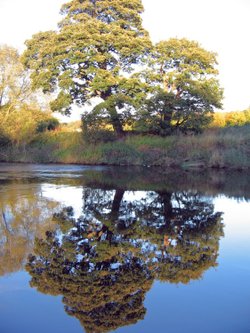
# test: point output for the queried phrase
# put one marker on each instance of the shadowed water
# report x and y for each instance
(101, 249)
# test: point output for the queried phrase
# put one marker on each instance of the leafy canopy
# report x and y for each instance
(97, 52)
(14, 80)
(186, 90)
(20, 108)
(93, 52)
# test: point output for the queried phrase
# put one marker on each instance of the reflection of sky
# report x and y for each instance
(72, 195)
(219, 302)
(237, 218)
(234, 252)
(235, 212)
(66, 195)
(24, 310)
(236, 215)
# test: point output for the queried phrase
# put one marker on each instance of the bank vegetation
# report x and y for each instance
(227, 147)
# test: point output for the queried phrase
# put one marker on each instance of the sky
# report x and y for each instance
(221, 26)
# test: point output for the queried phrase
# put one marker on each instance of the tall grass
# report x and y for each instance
(215, 148)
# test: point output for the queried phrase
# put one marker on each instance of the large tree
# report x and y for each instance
(92, 54)
(186, 89)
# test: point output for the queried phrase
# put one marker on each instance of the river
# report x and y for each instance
(108, 249)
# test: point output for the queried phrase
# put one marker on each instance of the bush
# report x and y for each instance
(49, 124)
(20, 125)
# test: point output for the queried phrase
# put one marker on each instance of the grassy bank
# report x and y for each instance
(215, 148)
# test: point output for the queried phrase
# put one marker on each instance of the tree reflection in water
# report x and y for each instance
(24, 215)
(104, 263)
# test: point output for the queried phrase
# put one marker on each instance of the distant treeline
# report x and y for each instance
(233, 118)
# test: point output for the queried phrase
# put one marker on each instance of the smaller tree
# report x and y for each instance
(185, 89)
(21, 125)
(14, 80)
(21, 115)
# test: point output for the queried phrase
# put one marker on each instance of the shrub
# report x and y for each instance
(235, 118)
(49, 124)
(20, 125)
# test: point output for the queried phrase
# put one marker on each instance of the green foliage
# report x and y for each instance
(247, 115)
(20, 125)
(14, 80)
(98, 52)
(105, 115)
(20, 114)
(49, 124)
(233, 118)
(185, 88)
(63, 147)
(213, 148)
(96, 47)
(218, 120)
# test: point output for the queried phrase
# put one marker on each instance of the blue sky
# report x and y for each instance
(221, 26)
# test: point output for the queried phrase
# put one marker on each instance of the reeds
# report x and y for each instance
(215, 148)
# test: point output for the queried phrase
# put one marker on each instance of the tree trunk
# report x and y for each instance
(116, 122)
(119, 193)
(167, 205)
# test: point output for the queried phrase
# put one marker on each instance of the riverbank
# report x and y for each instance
(215, 148)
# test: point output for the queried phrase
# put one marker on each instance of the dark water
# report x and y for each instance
(138, 250)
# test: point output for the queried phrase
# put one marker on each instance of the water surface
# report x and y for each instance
(138, 250)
